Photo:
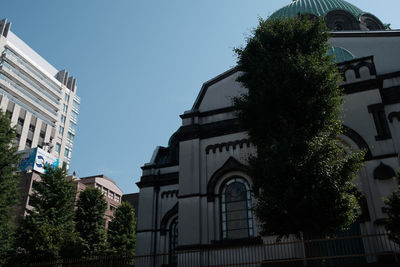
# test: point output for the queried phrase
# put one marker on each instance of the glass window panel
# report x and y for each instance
(241, 224)
(236, 206)
(236, 211)
(58, 147)
(237, 215)
(236, 234)
(249, 203)
(173, 239)
(249, 214)
(251, 232)
(235, 192)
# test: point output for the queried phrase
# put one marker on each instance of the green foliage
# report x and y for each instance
(121, 231)
(90, 222)
(301, 173)
(393, 211)
(47, 232)
(8, 185)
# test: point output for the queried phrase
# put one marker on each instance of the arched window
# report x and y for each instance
(236, 214)
(173, 241)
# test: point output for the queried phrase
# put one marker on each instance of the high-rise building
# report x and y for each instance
(40, 100)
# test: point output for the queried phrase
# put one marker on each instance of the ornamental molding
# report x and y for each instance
(234, 144)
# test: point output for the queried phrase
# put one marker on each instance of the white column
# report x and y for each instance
(15, 115)
(25, 129)
(4, 103)
(36, 134)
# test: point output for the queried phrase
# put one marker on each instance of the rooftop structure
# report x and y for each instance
(339, 14)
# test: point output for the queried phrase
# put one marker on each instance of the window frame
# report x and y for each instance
(172, 256)
(249, 204)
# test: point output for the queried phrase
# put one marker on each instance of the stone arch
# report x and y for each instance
(369, 65)
(358, 140)
(230, 165)
(341, 20)
(370, 22)
(173, 212)
(349, 74)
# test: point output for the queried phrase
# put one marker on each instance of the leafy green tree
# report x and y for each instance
(8, 185)
(90, 222)
(121, 231)
(393, 211)
(47, 232)
(302, 176)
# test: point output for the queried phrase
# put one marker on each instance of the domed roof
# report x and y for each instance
(316, 7)
(340, 54)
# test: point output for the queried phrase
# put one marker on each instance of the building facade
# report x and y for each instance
(195, 193)
(40, 100)
(112, 193)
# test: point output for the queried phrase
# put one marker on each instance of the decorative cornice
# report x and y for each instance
(362, 86)
(169, 193)
(227, 145)
(197, 113)
(350, 34)
(158, 180)
(204, 131)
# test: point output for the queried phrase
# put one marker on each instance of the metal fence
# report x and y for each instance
(93, 262)
(365, 250)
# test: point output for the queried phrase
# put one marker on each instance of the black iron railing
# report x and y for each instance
(363, 250)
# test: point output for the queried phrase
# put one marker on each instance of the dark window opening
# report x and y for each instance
(173, 242)
(381, 124)
(35, 185)
(21, 121)
(28, 143)
(236, 215)
(339, 26)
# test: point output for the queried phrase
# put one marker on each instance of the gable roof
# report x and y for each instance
(207, 84)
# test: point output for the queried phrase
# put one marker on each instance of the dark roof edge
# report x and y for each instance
(211, 82)
(343, 34)
(98, 176)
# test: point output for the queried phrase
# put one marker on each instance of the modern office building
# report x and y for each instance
(112, 193)
(195, 199)
(40, 100)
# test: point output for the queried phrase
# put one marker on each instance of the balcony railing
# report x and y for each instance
(32, 70)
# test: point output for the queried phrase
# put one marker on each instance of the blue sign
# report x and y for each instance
(36, 159)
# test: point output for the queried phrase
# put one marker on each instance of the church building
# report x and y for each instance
(196, 194)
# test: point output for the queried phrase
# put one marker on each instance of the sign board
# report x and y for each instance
(35, 159)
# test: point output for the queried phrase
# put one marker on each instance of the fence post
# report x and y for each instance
(304, 249)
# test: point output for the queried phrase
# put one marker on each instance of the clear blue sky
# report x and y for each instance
(140, 64)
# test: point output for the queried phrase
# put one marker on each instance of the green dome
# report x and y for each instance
(316, 7)
(340, 54)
